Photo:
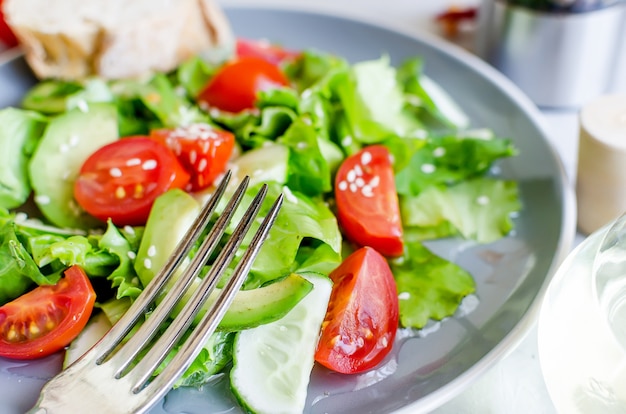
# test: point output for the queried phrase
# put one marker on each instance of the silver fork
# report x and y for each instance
(110, 378)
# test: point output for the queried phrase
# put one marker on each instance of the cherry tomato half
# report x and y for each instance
(203, 151)
(46, 319)
(367, 203)
(236, 84)
(265, 50)
(362, 317)
(121, 180)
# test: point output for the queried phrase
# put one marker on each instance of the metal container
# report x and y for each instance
(562, 53)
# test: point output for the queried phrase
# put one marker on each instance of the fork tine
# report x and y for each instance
(117, 333)
(125, 356)
(144, 369)
(210, 320)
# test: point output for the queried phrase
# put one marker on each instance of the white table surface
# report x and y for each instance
(515, 384)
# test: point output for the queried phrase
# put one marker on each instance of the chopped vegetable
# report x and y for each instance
(362, 318)
(121, 180)
(46, 319)
(367, 202)
(236, 85)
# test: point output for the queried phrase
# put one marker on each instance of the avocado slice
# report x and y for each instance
(67, 142)
(171, 216)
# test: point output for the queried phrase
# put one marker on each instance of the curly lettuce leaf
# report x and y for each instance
(308, 170)
(123, 278)
(18, 271)
(302, 221)
(20, 131)
(429, 287)
(480, 209)
(451, 159)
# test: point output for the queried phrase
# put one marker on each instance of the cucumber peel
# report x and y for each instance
(272, 363)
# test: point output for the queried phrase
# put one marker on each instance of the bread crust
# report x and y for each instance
(83, 47)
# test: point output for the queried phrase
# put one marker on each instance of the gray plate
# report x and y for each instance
(428, 369)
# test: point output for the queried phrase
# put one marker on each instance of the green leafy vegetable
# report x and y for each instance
(20, 131)
(429, 287)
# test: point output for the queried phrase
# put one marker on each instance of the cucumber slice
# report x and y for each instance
(272, 363)
(67, 142)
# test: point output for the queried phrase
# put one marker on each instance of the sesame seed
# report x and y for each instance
(360, 182)
(151, 250)
(353, 187)
(404, 296)
(202, 164)
(358, 170)
(384, 342)
(367, 191)
(115, 172)
(193, 155)
(366, 157)
(483, 200)
(74, 140)
(82, 106)
(351, 176)
(129, 229)
(131, 162)
(147, 263)
(301, 145)
(42, 199)
(346, 141)
(439, 152)
(374, 181)
(131, 255)
(428, 168)
(343, 186)
(149, 165)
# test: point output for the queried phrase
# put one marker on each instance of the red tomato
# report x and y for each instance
(203, 151)
(121, 180)
(46, 319)
(6, 35)
(236, 84)
(362, 318)
(367, 202)
(264, 50)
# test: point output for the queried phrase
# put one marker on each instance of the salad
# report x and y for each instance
(100, 179)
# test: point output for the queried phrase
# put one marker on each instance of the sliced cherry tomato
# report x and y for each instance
(367, 203)
(264, 50)
(236, 84)
(46, 319)
(6, 35)
(362, 317)
(121, 180)
(202, 149)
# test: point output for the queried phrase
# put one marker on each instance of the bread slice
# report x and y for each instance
(70, 39)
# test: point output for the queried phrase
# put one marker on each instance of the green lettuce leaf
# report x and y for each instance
(429, 287)
(478, 209)
(450, 159)
(308, 171)
(20, 131)
(302, 221)
(18, 271)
